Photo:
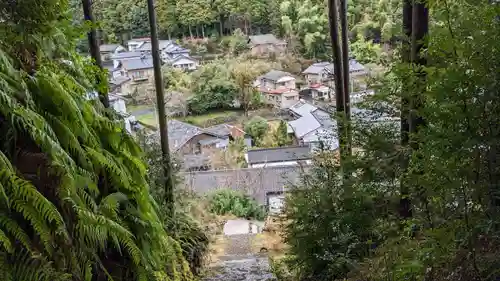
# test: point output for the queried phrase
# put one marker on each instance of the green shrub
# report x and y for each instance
(226, 201)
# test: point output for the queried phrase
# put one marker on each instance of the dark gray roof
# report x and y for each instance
(108, 47)
(275, 75)
(265, 39)
(139, 63)
(125, 55)
(318, 67)
(162, 44)
(179, 133)
(119, 80)
(280, 154)
(221, 130)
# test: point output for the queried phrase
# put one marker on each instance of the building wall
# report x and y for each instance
(288, 99)
(191, 65)
(263, 49)
(193, 147)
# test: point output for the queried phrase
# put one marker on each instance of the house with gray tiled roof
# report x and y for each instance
(187, 140)
(278, 88)
(312, 126)
(279, 156)
(264, 44)
(320, 80)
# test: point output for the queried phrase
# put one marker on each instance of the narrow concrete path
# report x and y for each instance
(241, 261)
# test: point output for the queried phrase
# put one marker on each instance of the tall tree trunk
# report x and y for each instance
(203, 31)
(345, 73)
(404, 201)
(190, 32)
(338, 76)
(221, 25)
(197, 33)
(162, 118)
(94, 47)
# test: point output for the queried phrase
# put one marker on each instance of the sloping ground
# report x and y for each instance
(238, 259)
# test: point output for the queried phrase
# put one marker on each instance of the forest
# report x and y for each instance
(83, 200)
(303, 23)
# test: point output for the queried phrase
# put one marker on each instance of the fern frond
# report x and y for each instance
(118, 177)
(109, 205)
(36, 221)
(25, 191)
(5, 242)
(15, 230)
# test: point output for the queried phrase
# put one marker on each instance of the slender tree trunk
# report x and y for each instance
(94, 46)
(162, 118)
(345, 73)
(221, 25)
(338, 75)
(196, 30)
(404, 202)
(190, 32)
(203, 31)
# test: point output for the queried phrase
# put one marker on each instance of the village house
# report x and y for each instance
(280, 156)
(195, 146)
(170, 52)
(120, 85)
(312, 126)
(278, 88)
(107, 50)
(266, 44)
(320, 80)
(138, 69)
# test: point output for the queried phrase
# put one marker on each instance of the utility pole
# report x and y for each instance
(338, 76)
(162, 118)
(94, 46)
(345, 73)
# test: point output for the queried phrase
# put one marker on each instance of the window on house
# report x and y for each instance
(290, 98)
(138, 74)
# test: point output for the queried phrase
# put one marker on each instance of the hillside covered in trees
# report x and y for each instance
(303, 23)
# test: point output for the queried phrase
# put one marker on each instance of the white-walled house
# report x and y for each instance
(278, 88)
(184, 62)
(279, 157)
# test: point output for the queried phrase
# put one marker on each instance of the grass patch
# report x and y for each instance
(212, 118)
(148, 119)
(138, 107)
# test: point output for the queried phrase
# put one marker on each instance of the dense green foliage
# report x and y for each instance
(346, 221)
(304, 24)
(281, 136)
(257, 127)
(230, 202)
(74, 196)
